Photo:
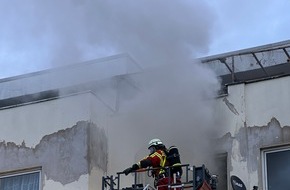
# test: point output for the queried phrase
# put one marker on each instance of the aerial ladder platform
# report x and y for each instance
(194, 178)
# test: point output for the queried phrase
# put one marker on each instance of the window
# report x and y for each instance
(276, 169)
(29, 180)
(221, 170)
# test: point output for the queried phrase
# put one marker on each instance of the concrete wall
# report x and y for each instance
(252, 116)
(62, 136)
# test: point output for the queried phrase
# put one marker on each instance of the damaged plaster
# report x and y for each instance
(251, 139)
(64, 155)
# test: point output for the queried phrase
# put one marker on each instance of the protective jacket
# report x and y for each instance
(155, 160)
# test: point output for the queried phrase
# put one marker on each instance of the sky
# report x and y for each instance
(37, 35)
(245, 24)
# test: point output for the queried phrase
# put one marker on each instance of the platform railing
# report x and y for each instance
(193, 177)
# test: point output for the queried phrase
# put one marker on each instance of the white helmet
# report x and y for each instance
(154, 142)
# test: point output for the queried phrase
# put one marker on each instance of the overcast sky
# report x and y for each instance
(37, 35)
(245, 24)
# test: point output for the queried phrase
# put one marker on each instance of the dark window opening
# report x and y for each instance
(221, 171)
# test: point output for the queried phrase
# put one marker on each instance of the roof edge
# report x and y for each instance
(257, 49)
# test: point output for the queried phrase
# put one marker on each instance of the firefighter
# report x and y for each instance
(156, 159)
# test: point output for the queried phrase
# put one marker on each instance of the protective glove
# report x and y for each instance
(127, 171)
(135, 167)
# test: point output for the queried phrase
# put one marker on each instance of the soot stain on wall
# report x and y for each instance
(251, 139)
(64, 155)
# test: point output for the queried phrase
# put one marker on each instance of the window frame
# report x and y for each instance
(25, 171)
(268, 150)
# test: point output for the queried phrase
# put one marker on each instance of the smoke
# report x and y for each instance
(155, 32)
(175, 105)
(163, 36)
(37, 35)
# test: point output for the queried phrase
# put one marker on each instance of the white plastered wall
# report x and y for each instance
(249, 105)
(268, 98)
(31, 122)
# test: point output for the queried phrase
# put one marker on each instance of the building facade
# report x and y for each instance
(57, 126)
(53, 124)
(253, 113)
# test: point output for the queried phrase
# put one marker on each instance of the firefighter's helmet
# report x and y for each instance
(154, 142)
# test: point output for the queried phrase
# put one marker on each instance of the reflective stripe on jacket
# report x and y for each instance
(156, 160)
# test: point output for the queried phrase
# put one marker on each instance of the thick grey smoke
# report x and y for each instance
(175, 105)
(155, 32)
(163, 36)
(37, 35)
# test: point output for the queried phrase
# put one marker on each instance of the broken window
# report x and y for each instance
(276, 169)
(20, 181)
